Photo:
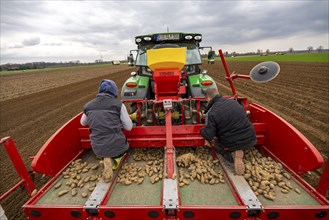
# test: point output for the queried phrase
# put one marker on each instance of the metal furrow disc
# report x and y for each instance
(264, 72)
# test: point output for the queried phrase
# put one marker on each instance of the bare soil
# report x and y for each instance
(34, 105)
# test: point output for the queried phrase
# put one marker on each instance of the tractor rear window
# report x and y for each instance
(192, 54)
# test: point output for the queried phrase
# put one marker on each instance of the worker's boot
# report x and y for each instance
(108, 172)
(116, 162)
(238, 162)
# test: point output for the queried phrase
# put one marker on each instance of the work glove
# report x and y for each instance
(208, 144)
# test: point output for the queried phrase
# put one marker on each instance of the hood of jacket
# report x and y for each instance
(109, 87)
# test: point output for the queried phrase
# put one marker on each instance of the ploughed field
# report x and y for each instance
(34, 105)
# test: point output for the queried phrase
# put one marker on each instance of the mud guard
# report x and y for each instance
(138, 92)
(195, 86)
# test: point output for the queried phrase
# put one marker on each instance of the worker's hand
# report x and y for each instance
(207, 143)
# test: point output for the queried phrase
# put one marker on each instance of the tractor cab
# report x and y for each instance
(141, 83)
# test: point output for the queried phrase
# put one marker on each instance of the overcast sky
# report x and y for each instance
(88, 30)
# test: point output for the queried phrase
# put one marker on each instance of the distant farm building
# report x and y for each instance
(115, 62)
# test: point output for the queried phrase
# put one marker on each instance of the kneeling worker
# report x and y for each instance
(228, 128)
(106, 116)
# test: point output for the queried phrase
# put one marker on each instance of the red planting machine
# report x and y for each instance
(165, 102)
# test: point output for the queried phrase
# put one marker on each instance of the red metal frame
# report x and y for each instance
(230, 76)
(135, 212)
(157, 103)
(154, 136)
(169, 149)
(52, 212)
(295, 213)
(285, 142)
(275, 137)
(141, 136)
(61, 147)
(21, 170)
(324, 181)
(210, 213)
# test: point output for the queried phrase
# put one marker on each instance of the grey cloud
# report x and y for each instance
(27, 42)
(104, 25)
(17, 46)
(16, 15)
(53, 44)
(235, 24)
(31, 41)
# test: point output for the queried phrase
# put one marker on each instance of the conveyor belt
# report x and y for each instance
(51, 196)
(194, 194)
(134, 194)
(198, 194)
(281, 199)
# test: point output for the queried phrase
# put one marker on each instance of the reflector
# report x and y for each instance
(206, 83)
(131, 84)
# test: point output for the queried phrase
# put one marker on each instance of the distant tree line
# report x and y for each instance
(260, 52)
(42, 65)
(35, 65)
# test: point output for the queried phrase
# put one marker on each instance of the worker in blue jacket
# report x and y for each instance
(106, 116)
(228, 128)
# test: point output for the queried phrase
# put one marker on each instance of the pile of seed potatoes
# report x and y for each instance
(266, 176)
(79, 178)
(194, 164)
(136, 172)
(198, 164)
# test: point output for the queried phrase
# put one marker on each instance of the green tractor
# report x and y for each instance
(140, 85)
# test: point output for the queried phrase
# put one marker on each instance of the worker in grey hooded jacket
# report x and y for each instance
(106, 116)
